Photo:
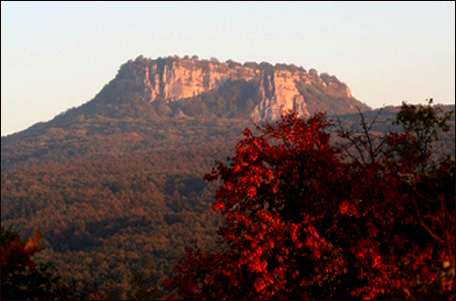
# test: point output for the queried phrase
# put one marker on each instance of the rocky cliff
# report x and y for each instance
(282, 87)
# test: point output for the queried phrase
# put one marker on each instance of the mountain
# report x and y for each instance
(272, 89)
(116, 186)
(146, 90)
(258, 91)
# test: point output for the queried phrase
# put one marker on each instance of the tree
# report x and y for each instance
(22, 279)
(301, 222)
(422, 125)
(429, 182)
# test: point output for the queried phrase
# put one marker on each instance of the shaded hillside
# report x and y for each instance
(114, 205)
(384, 119)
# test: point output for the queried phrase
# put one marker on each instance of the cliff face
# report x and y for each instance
(280, 94)
(172, 79)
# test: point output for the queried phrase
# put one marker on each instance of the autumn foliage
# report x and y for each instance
(304, 221)
(22, 278)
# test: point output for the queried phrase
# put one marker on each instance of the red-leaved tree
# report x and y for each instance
(303, 222)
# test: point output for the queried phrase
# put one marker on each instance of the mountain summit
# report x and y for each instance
(257, 91)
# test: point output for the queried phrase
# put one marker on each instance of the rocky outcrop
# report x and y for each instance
(280, 94)
(175, 78)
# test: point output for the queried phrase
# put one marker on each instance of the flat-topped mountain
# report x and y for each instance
(175, 87)
(257, 91)
(164, 90)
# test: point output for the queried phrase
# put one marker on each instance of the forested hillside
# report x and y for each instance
(118, 205)
(117, 199)
(116, 186)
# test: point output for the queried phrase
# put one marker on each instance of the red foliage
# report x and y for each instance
(16, 256)
(301, 223)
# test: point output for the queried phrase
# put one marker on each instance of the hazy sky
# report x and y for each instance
(57, 55)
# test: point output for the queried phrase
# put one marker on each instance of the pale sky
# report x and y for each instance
(58, 55)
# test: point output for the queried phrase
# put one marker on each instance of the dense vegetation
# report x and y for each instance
(112, 207)
(118, 201)
(305, 220)
(21, 277)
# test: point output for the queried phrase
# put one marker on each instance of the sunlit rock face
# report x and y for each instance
(176, 78)
(280, 94)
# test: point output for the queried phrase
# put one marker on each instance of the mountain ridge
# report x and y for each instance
(154, 86)
(176, 78)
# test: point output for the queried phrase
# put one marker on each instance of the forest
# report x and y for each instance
(112, 200)
(128, 211)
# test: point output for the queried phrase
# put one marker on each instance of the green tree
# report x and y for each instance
(422, 125)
